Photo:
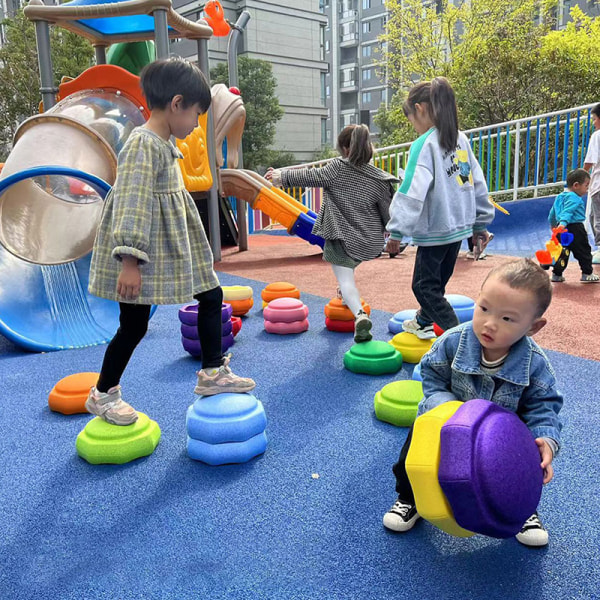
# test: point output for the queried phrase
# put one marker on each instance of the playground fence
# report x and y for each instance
(524, 158)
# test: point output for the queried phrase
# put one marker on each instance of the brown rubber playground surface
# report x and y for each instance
(385, 283)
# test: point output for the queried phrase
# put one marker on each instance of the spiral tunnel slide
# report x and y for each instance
(52, 188)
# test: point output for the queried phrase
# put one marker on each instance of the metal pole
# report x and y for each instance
(232, 63)
(213, 195)
(42, 39)
(161, 33)
(100, 52)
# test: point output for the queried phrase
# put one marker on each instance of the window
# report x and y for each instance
(327, 46)
(367, 51)
(365, 118)
(322, 42)
(366, 97)
(384, 21)
(366, 4)
(384, 96)
(367, 74)
(366, 27)
(323, 89)
(323, 132)
(327, 91)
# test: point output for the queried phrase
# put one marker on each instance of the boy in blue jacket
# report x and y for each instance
(568, 210)
(493, 357)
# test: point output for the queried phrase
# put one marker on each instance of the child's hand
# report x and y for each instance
(392, 246)
(130, 279)
(546, 454)
(269, 174)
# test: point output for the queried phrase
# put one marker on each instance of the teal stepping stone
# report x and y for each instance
(103, 443)
(397, 402)
(373, 358)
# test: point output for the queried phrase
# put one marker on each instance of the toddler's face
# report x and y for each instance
(184, 120)
(502, 316)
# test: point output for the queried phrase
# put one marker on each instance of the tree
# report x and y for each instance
(257, 86)
(502, 57)
(19, 74)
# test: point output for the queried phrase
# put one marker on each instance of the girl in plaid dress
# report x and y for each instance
(352, 219)
(151, 247)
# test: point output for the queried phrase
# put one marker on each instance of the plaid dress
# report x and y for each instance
(150, 215)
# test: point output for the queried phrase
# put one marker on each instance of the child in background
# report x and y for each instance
(355, 209)
(494, 358)
(592, 161)
(151, 247)
(442, 201)
(568, 210)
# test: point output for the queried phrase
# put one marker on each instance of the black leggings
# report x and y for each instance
(403, 487)
(133, 325)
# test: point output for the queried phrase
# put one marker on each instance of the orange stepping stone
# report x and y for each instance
(336, 311)
(279, 289)
(241, 307)
(68, 396)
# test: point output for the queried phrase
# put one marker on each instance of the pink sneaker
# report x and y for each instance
(222, 381)
(110, 407)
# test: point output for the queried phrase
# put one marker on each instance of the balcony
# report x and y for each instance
(347, 40)
(349, 85)
(348, 15)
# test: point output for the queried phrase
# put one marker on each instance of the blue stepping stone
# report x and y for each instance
(227, 453)
(395, 323)
(225, 418)
(463, 306)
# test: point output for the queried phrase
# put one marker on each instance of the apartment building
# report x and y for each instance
(355, 87)
(287, 34)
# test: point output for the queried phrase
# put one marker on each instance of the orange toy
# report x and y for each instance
(336, 311)
(216, 18)
(241, 307)
(68, 396)
(279, 289)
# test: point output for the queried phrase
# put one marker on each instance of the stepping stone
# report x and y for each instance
(373, 358)
(397, 402)
(410, 346)
(69, 394)
(103, 443)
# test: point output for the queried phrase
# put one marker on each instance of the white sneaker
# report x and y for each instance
(469, 254)
(423, 332)
(533, 532)
(362, 327)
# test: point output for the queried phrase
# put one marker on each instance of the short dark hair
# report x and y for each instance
(577, 176)
(526, 274)
(596, 110)
(164, 79)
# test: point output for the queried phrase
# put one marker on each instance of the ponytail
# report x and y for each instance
(439, 95)
(444, 113)
(356, 140)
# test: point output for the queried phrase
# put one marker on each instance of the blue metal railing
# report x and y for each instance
(520, 158)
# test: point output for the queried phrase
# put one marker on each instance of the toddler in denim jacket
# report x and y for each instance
(493, 357)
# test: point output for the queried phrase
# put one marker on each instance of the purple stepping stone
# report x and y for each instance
(188, 315)
(489, 469)
(191, 331)
(193, 346)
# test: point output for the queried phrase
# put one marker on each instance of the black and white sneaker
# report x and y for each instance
(533, 532)
(401, 517)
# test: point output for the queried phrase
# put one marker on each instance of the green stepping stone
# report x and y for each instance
(103, 443)
(373, 358)
(397, 402)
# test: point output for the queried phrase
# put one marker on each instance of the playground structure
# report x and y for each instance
(63, 164)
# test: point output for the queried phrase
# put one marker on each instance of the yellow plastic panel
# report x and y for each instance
(422, 464)
(194, 165)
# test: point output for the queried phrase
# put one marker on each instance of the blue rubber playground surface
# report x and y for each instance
(303, 521)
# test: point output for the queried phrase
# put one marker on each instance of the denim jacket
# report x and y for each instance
(526, 383)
